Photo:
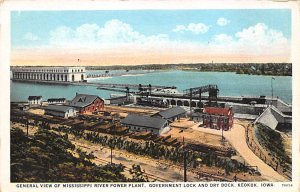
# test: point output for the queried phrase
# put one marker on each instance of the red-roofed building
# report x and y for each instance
(218, 118)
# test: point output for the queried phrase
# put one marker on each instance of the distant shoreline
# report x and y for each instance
(267, 69)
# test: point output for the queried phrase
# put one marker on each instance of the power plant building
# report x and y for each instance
(50, 74)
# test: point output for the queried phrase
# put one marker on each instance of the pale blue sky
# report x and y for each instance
(30, 28)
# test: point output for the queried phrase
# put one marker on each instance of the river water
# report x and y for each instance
(230, 84)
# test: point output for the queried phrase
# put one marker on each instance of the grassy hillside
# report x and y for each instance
(273, 142)
(49, 157)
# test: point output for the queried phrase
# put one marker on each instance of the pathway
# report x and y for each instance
(236, 137)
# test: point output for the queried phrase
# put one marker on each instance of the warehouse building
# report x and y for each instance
(140, 123)
(87, 103)
(60, 111)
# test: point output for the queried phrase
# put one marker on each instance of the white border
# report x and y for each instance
(5, 48)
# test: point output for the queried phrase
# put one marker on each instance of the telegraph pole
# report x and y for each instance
(111, 155)
(184, 162)
(27, 126)
(272, 89)
(272, 85)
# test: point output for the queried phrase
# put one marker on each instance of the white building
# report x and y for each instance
(60, 111)
(35, 100)
(68, 74)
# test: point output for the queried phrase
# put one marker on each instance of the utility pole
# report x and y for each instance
(272, 89)
(191, 95)
(222, 133)
(111, 155)
(27, 126)
(184, 161)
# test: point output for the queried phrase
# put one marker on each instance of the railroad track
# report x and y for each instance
(214, 177)
(151, 176)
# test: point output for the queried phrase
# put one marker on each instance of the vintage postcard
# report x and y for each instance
(149, 95)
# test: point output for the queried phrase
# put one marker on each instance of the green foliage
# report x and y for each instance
(138, 174)
(273, 142)
(283, 69)
(156, 150)
(45, 157)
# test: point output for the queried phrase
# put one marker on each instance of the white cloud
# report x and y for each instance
(223, 21)
(31, 37)
(116, 35)
(179, 28)
(258, 40)
(261, 34)
(91, 35)
(195, 28)
(222, 38)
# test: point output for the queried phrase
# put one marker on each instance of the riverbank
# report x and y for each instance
(268, 69)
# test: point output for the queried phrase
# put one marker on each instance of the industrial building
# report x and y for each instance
(49, 74)
(140, 123)
(60, 111)
(87, 103)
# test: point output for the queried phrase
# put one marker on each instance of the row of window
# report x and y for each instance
(44, 76)
(215, 119)
(50, 70)
(140, 129)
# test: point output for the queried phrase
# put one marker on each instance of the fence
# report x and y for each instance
(259, 151)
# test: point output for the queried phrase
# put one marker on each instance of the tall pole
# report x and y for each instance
(111, 155)
(27, 126)
(191, 94)
(272, 87)
(184, 162)
(222, 133)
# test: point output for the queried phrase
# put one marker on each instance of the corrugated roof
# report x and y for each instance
(144, 121)
(82, 100)
(172, 112)
(59, 108)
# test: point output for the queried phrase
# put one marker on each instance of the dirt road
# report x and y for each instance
(154, 167)
(236, 137)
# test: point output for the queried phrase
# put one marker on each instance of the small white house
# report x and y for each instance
(35, 100)
(60, 111)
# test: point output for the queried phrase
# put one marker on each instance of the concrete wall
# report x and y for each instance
(246, 109)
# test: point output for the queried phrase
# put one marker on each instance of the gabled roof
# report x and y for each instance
(271, 117)
(172, 112)
(58, 108)
(144, 121)
(82, 100)
(268, 119)
(217, 111)
(34, 97)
